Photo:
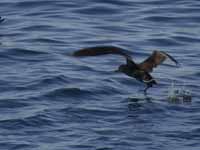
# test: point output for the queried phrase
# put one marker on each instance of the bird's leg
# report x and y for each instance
(145, 90)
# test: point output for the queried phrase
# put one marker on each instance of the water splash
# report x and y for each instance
(179, 94)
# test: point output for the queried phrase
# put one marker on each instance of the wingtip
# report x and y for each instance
(77, 54)
(172, 58)
(74, 54)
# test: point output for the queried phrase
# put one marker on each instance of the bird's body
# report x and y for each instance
(139, 74)
(140, 71)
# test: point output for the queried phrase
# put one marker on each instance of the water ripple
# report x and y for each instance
(34, 121)
(51, 100)
(67, 92)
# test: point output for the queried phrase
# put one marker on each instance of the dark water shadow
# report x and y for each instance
(135, 102)
(145, 101)
(1, 19)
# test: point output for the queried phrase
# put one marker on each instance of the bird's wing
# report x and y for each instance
(103, 50)
(154, 60)
(100, 50)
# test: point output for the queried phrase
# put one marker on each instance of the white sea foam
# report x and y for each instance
(176, 93)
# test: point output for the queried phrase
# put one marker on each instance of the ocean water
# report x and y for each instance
(50, 100)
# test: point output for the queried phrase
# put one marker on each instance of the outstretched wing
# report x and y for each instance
(154, 60)
(100, 50)
(103, 50)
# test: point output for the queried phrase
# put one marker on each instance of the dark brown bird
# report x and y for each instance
(140, 71)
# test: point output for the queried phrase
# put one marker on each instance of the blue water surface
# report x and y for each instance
(50, 100)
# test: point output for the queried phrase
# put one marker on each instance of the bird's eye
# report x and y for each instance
(144, 77)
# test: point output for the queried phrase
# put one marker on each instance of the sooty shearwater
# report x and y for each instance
(140, 71)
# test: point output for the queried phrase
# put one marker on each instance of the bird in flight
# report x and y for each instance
(140, 71)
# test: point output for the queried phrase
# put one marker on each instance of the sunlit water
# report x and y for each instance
(52, 101)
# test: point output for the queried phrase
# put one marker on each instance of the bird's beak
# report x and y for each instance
(117, 71)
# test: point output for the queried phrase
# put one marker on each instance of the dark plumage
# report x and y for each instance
(140, 71)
